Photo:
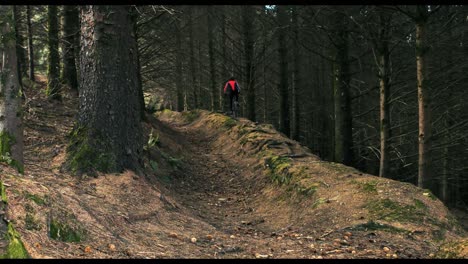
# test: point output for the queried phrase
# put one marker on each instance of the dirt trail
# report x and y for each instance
(202, 196)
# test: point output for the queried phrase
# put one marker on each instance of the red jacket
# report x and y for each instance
(233, 84)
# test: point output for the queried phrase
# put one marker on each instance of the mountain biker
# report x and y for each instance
(232, 89)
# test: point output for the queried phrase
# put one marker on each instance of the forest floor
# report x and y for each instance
(214, 187)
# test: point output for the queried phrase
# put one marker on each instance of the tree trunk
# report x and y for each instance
(19, 47)
(108, 134)
(141, 97)
(178, 68)
(192, 61)
(53, 70)
(297, 81)
(30, 44)
(343, 116)
(70, 32)
(284, 122)
(214, 88)
(384, 76)
(247, 18)
(424, 138)
(11, 129)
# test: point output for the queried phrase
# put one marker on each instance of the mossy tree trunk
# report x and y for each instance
(53, 70)
(108, 134)
(342, 100)
(248, 15)
(30, 44)
(70, 33)
(284, 120)
(11, 129)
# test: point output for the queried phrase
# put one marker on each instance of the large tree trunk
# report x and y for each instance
(11, 130)
(343, 116)
(70, 33)
(108, 134)
(284, 122)
(141, 97)
(247, 18)
(424, 138)
(53, 70)
(30, 44)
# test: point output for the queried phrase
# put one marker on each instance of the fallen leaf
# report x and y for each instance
(209, 237)
(260, 256)
(111, 247)
(87, 249)
(173, 235)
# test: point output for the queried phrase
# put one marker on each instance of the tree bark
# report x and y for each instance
(19, 46)
(70, 32)
(192, 60)
(247, 18)
(284, 121)
(214, 88)
(424, 127)
(343, 116)
(384, 76)
(178, 68)
(30, 44)
(297, 81)
(53, 70)
(11, 129)
(108, 133)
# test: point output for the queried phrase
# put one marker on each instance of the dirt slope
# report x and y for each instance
(214, 188)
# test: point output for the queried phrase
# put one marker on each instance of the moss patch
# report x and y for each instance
(6, 141)
(83, 155)
(15, 249)
(373, 226)
(367, 187)
(36, 198)
(31, 223)
(63, 232)
(229, 122)
(386, 209)
(190, 116)
(277, 166)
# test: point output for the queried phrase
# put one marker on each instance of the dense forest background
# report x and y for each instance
(379, 88)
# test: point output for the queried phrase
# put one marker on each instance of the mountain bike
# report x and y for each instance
(235, 109)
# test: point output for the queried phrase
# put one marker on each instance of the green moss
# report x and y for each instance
(15, 249)
(386, 209)
(368, 186)
(373, 226)
(3, 193)
(419, 204)
(190, 116)
(174, 162)
(36, 198)
(84, 156)
(340, 168)
(229, 122)
(63, 232)
(277, 167)
(153, 165)
(6, 141)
